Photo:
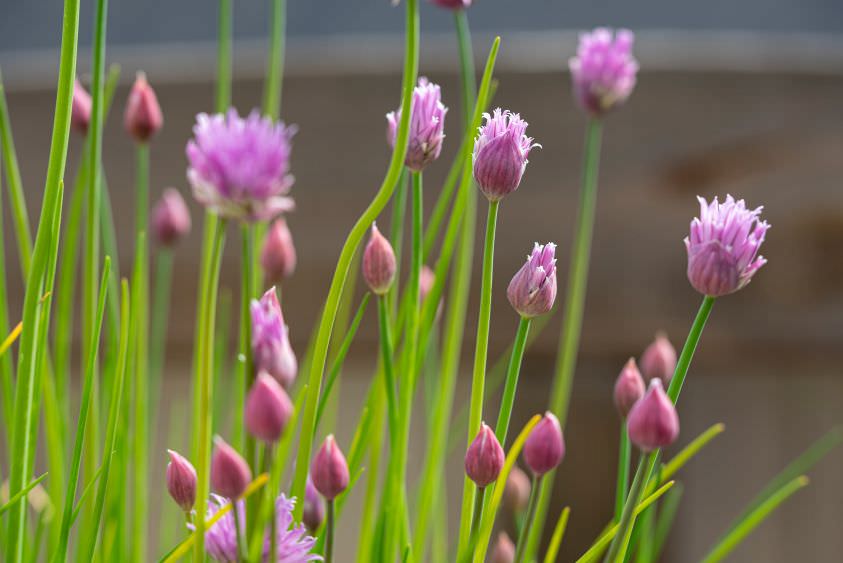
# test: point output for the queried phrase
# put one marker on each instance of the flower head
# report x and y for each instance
(532, 290)
(240, 168)
(452, 4)
(427, 123)
(271, 348)
(292, 542)
(723, 246)
(181, 481)
(653, 423)
(629, 388)
(545, 446)
(500, 154)
(604, 69)
(484, 458)
(268, 409)
(378, 263)
(143, 117)
(278, 256)
(80, 108)
(329, 470)
(659, 360)
(170, 218)
(314, 507)
(230, 474)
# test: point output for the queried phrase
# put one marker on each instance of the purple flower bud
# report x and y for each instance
(80, 109)
(545, 446)
(503, 551)
(314, 507)
(659, 360)
(484, 458)
(629, 387)
(604, 69)
(230, 474)
(500, 154)
(271, 350)
(378, 263)
(268, 409)
(532, 290)
(723, 246)
(170, 218)
(516, 493)
(329, 469)
(181, 481)
(278, 257)
(653, 423)
(143, 117)
(427, 278)
(427, 123)
(452, 4)
(240, 168)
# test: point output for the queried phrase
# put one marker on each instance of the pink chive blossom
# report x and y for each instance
(170, 218)
(268, 409)
(484, 458)
(532, 290)
(629, 388)
(653, 423)
(723, 246)
(379, 264)
(230, 474)
(181, 481)
(604, 69)
(500, 154)
(292, 542)
(314, 507)
(80, 108)
(427, 124)
(271, 349)
(329, 470)
(143, 117)
(452, 4)
(240, 167)
(278, 256)
(659, 360)
(545, 446)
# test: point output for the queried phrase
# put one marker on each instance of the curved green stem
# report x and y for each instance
(508, 399)
(689, 348)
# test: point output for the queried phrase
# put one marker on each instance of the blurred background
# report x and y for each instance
(733, 97)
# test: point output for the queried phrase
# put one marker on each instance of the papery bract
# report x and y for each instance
(230, 474)
(427, 124)
(278, 256)
(532, 290)
(604, 70)
(181, 481)
(268, 408)
(379, 264)
(545, 446)
(629, 388)
(500, 154)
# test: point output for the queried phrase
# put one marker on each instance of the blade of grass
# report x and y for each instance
(86, 492)
(558, 534)
(20, 494)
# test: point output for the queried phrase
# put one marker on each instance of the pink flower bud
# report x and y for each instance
(143, 117)
(271, 349)
(181, 481)
(629, 388)
(314, 507)
(532, 290)
(545, 446)
(427, 277)
(484, 458)
(278, 257)
(268, 409)
(80, 109)
(230, 474)
(500, 154)
(503, 551)
(516, 493)
(329, 469)
(170, 218)
(378, 263)
(659, 360)
(653, 423)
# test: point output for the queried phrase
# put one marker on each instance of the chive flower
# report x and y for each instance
(278, 255)
(603, 71)
(545, 446)
(271, 349)
(500, 153)
(659, 360)
(329, 470)
(653, 423)
(143, 117)
(379, 264)
(314, 507)
(240, 167)
(723, 246)
(170, 218)
(268, 409)
(532, 290)
(427, 124)
(452, 4)
(503, 551)
(230, 474)
(629, 388)
(181, 481)
(484, 458)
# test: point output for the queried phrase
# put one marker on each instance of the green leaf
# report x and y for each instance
(18, 495)
(558, 534)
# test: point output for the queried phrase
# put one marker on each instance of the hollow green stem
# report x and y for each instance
(624, 453)
(689, 348)
(617, 550)
(329, 531)
(508, 399)
(479, 374)
(224, 33)
(275, 61)
(529, 521)
(245, 369)
(160, 314)
(20, 216)
(388, 368)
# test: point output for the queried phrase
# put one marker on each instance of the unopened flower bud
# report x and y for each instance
(427, 124)
(268, 409)
(278, 256)
(181, 481)
(170, 218)
(378, 263)
(484, 458)
(500, 154)
(230, 474)
(271, 349)
(516, 493)
(329, 469)
(80, 108)
(545, 446)
(653, 423)
(314, 507)
(503, 551)
(143, 117)
(532, 290)
(629, 388)
(427, 277)
(659, 360)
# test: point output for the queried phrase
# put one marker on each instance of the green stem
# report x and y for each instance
(689, 348)
(323, 337)
(275, 61)
(245, 371)
(467, 72)
(329, 531)
(238, 531)
(479, 374)
(529, 521)
(160, 317)
(617, 550)
(569, 341)
(624, 454)
(388, 368)
(396, 236)
(223, 90)
(508, 399)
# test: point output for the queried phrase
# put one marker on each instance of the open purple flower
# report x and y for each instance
(500, 154)
(292, 542)
(723, 246)
(427, 124)
(532, 290)
(240, 168)
(271, 348)
(604, 69)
